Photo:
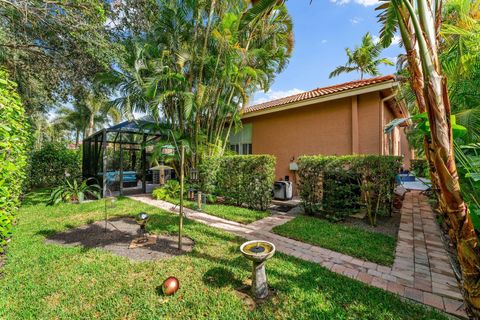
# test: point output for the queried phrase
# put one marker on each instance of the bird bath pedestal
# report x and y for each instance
(258, 251)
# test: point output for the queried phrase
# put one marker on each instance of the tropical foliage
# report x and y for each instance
(433, 52)
(170, 191)
(72, 191)
(197, 64)
(54, 48)
(364, 59)
(14, 141)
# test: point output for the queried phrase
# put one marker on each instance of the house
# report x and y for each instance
(343, 119)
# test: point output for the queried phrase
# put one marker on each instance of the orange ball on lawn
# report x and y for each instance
(170, 286)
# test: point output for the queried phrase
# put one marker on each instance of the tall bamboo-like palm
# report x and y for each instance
(84, 116)
(99, 111)
(364, 59)
(419, 23)
(73, 119)
(197, 66)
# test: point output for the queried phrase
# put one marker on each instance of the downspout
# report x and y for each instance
(382, 108)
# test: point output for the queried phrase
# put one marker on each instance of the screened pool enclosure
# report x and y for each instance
(119, 157)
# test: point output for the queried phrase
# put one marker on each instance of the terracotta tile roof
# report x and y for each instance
(318, 93)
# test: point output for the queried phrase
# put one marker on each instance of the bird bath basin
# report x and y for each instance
(258, 251)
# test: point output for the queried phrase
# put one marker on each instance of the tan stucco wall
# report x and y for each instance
(324, 128)
(369, 123)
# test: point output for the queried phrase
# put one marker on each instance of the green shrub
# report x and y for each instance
(243, 180)
(419, 167)
(14, 141)
(52, 164)
(207, 171)
(336, 186)
(170, 191)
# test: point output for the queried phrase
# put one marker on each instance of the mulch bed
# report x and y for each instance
(385, 225)
(116, 236)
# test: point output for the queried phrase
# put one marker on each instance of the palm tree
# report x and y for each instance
(73, 119)
(99, 111)
(419, 23)
(364, 59)
(85, 115)
(199, 64)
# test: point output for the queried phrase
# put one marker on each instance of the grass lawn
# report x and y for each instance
(43, 281)
(233, 213)
(242, 215)
(371, 246)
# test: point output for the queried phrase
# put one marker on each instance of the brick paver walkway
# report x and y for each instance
(421, 270)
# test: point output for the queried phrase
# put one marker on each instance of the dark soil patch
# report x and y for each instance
(116, 236)
(385, 225)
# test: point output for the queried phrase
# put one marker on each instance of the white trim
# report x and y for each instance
(333, 96)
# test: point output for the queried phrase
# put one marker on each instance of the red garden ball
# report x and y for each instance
(170, 286)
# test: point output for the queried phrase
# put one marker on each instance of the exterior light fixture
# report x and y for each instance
(142, 219)
(191, 194)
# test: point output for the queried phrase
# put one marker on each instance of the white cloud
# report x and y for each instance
(366, 3)
(273, 95)
(356, 20)
(396, 39)
(323, 41)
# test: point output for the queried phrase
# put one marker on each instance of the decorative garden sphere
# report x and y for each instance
(170, 286)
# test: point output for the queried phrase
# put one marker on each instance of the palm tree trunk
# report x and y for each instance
(461, 230)
(91, 124)
(77, 138)
(441, 152)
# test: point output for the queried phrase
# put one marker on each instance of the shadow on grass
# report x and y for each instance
(46, 233)
(220, 277)
(36, 197)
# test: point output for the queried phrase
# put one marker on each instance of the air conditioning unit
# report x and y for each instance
(282, 190)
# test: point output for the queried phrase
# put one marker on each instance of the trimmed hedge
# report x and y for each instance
(420, 167)
(244, 180)
(337, 186)
(14, 140)
(52, 163)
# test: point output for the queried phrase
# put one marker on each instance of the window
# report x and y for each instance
(241, 141)
(247, 148)
(235, 148)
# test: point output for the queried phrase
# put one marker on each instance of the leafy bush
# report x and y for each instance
(241, 179)
(468, 164)
(14, 140)
(170, 191)
(74, 192)
(52, 164)
(207, 171)
(335, 186)
(420, 167)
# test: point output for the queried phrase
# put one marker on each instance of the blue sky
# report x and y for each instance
(322, 31)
